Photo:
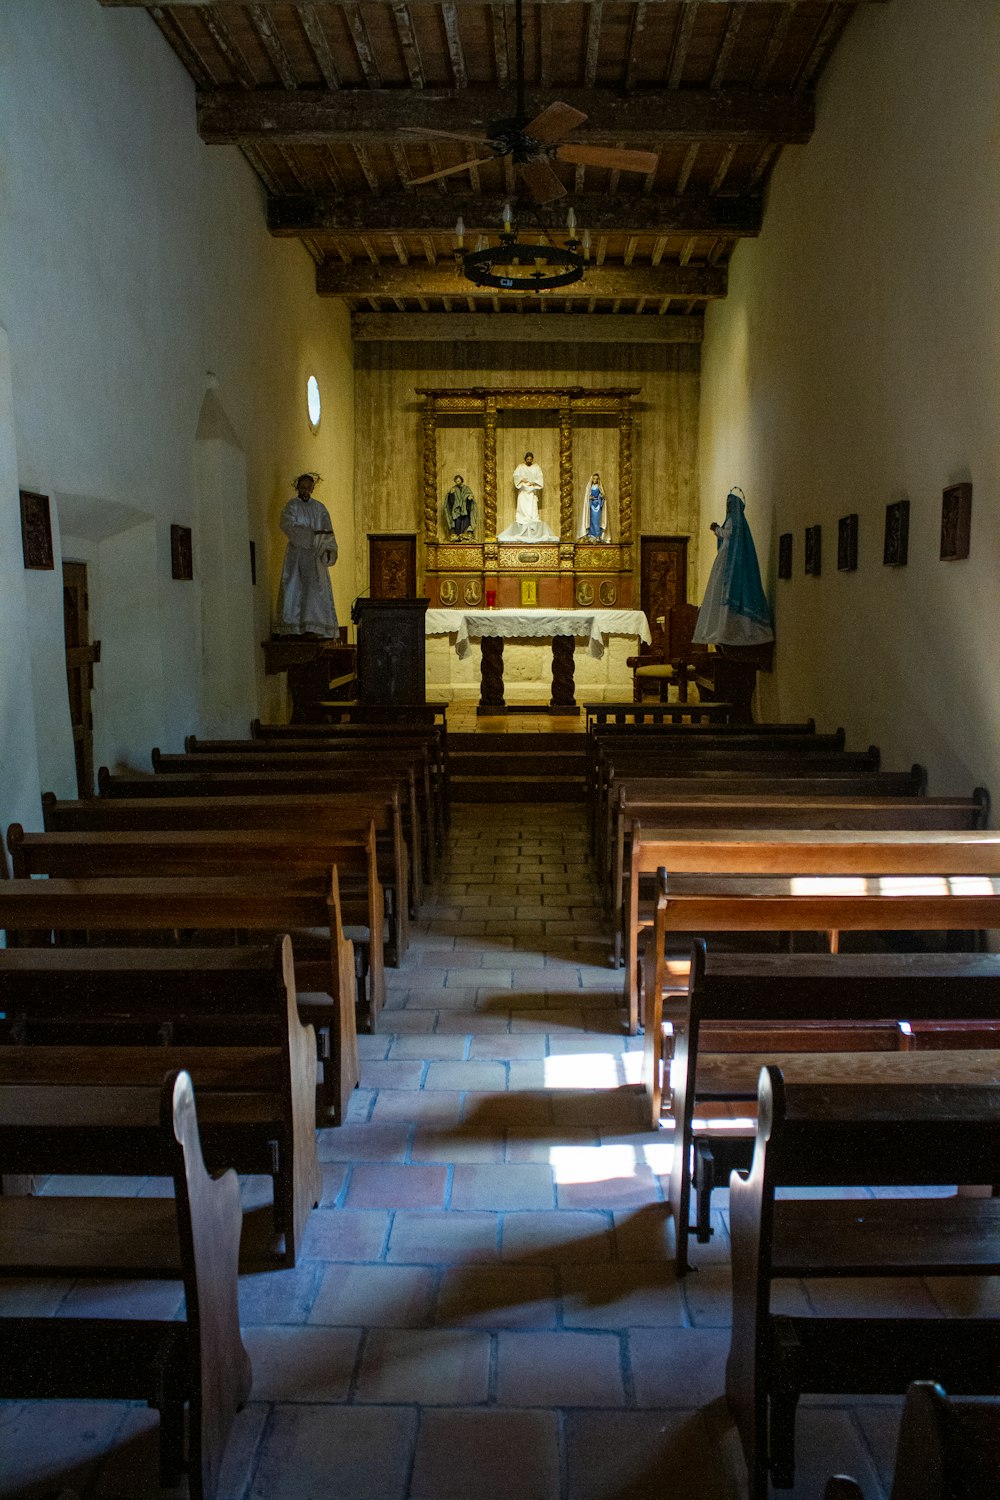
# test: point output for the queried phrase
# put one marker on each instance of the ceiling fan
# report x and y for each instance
(534, 143)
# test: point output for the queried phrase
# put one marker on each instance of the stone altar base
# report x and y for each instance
(527, 672)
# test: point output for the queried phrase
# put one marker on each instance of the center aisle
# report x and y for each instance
(492, 1314)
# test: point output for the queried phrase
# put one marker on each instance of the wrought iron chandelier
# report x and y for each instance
(516, 266)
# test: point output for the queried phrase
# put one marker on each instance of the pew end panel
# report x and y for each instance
(201, 1361)
(833, 1135)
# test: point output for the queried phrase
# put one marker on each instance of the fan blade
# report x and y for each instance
(541, 182)
(444, 135)
(609, 156)
(463, 166)
(555, 121)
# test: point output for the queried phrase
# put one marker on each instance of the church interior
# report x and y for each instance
(240, 243)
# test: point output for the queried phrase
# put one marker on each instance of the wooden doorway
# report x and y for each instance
(81, 654)
(662, 580)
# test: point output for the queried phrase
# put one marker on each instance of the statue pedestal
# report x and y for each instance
(391, 665)
(314, 668)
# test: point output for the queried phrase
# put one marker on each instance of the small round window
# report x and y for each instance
(313, 403)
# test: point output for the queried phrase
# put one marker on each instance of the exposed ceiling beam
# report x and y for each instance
(529, 328)
(390, 279)
(421, 213)
(312, 117)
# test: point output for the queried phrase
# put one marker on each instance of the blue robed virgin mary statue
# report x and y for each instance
(734, 611)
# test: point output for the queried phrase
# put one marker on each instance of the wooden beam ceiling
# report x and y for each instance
(313, 117)
(697, 214)
(389, 279)
(527, 328)
(337, 105)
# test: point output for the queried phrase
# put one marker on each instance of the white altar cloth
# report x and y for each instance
(590, 624)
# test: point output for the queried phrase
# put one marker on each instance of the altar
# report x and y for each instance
(526, 629)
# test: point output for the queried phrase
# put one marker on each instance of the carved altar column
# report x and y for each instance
(430, 472)
(625, 472)
(567, 529)
(490, 471)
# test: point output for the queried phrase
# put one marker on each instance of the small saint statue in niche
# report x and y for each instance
(460, 511)
(528, 526)
(594, 512)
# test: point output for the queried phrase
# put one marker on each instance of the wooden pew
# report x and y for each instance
(254, 1063)
(654, 752)
(307, 818)
(314, 788)
(837, 1136)
(350, 711)
(947, 1449)
(850, 898)
(748, 773)
(324, 736)
(30, 909)
(819, 1017)
(412, 763)
(199, 1360)
(217, 851)
(717, 818)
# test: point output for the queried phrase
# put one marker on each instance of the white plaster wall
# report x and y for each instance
(856, 362)
(133, 261)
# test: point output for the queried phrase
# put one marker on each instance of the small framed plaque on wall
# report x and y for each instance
(897, 534)
(36, 530)
(785, 555)
(814, 550)
(847, 543)
(956, 522)
(181, 554)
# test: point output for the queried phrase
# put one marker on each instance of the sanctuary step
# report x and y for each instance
(517, 767)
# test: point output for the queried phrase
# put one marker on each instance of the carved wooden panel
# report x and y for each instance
(392, 565)
(663, 580)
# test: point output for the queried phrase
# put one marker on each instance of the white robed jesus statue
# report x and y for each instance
(528, 525)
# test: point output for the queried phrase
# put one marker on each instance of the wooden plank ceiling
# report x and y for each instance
(317, 94)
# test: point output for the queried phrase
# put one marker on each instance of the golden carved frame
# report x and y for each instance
(569, 402)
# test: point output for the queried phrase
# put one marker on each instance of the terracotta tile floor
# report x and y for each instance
(484, 1306)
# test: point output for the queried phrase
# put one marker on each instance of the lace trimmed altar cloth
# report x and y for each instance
(590, 624)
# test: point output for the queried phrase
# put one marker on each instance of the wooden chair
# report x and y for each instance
(947, 1449)
(199, 1361)
(837, 1136)
(656, 672)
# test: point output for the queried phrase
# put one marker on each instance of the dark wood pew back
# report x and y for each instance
(332, 816)
(219, 851)
(32, 910)
(834, 1003)
(254, 1062)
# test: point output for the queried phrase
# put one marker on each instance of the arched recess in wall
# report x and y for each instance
(117, 541)
(222, 543)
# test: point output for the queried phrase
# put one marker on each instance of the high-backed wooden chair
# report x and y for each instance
(653, 672)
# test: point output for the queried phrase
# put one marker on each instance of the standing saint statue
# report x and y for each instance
(460, 510)
(594, 512)
(305, 595)
(734, 611)
(528, 525)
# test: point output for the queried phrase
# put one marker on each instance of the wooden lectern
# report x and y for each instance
(391, 650)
